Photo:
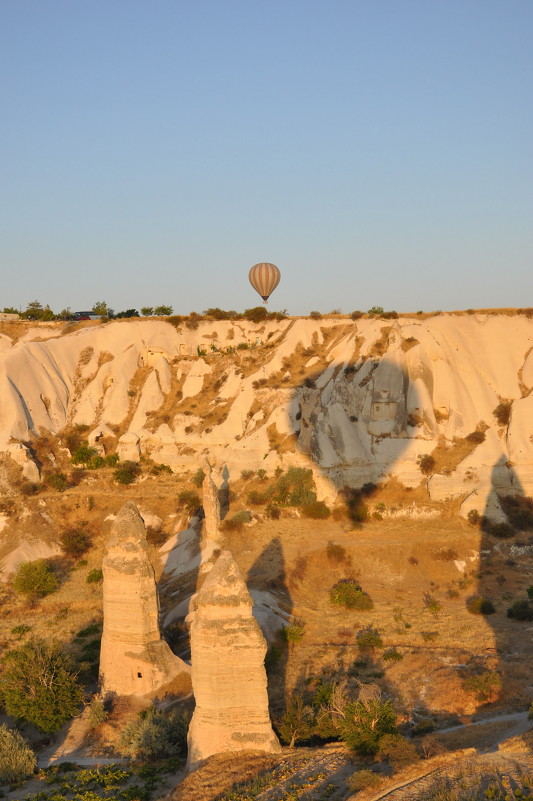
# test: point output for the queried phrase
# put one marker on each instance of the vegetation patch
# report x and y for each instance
(17, 760)
(35, 579)
(39, 684)
(348, 593)
(154, 734)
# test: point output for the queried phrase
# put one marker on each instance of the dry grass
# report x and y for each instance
(448, 458)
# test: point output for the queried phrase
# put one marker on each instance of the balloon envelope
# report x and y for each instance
(264, 277)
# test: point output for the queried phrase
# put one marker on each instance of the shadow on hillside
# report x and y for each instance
(502, 581)
(354, 425)
(267, 583)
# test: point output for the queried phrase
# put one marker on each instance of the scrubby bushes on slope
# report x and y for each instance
(39, 684)
(35, 579)
(17, 760)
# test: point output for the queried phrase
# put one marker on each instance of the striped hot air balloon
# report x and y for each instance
(264, 277)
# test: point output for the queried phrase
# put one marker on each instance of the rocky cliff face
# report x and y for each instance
(134, 660)
(228, 673)
(356, 401)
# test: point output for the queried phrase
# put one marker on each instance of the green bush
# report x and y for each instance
(159, 469)
(368, 639)
(21, 630)
(293, 633)
(112, 459)
(190, 500)
(336, 553)
(256, 498)
(17, 760)
(322, 694)
(39, 684)
(155, 734)
(29, 487)
(397, 750)
(530, 592)
(296, 723)
(365, 723)
(35, 579)
(57, 481)
(273, 511)
(520, 610)
(126, 472)
(98, 714)
(392, 655)
(237, 522)
(364, 779)
(348, 593)
(75, 542)
(480, 606)
(94, 576)
(84, 454)
(483, 685)
(96, 463)
(198, 478)
(316, 510)
(295, 487)
(256, 315)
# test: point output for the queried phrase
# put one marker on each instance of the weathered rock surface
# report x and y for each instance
(211, 505)
(134, 660)
(228, 674)
(374, 397)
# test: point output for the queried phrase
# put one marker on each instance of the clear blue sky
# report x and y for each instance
(378, 152)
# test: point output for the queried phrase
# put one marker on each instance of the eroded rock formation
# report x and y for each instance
(228, 673)
(134, 660)
(211, 505)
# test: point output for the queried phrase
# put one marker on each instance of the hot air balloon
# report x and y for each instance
(264, 277)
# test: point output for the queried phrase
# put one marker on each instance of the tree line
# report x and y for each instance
(36, 311)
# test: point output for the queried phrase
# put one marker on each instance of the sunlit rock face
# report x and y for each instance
(228, 673)
(134, 660)
(356, 401)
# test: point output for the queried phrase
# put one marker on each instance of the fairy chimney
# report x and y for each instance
(211, 505)
(228, 672)
(134, 660)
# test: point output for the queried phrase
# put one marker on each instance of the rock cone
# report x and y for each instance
(228, 673)
(134, 660)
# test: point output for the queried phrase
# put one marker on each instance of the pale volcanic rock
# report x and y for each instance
(228, 674)
(486, 503)
(128, 448)
(22, 456)
(384, 392)
(211, 505)
(195, 379)
(134, 660)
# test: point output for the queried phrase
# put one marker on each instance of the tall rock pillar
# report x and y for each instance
(228, 672)
(134, 660)
(211, 505)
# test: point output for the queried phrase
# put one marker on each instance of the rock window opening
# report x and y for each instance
(139, 675)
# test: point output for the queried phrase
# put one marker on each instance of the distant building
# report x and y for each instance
(9, 316)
